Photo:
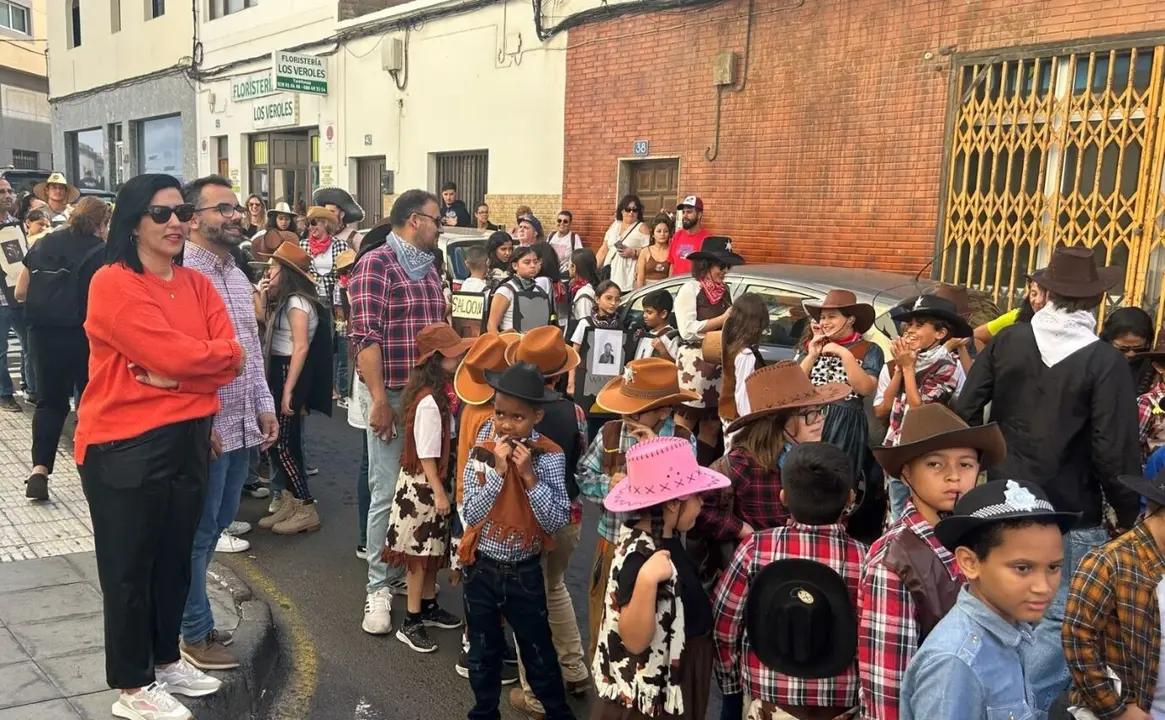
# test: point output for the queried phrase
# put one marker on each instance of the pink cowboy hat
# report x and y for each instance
(659, 470)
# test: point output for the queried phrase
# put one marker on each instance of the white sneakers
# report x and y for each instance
(238, 527)
(378, 612)
(182, 678)
(228, 543)
(150, 703)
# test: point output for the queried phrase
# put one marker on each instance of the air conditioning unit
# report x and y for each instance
(392, 55)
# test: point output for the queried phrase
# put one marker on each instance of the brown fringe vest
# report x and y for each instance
(409, 462)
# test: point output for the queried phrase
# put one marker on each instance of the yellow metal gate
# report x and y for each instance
(1056, 150)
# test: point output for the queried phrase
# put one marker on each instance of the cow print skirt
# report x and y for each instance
(418, 538)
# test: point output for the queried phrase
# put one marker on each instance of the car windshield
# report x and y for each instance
(23, 180)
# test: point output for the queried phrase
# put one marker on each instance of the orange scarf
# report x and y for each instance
(511, 516)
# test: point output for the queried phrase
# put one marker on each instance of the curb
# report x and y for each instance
(246, 692)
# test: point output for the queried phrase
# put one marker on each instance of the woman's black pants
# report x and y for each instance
(61, 357)
(145, 499)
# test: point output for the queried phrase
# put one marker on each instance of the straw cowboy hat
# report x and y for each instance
(996, 501)
(645, 384)
(659, 470)
(847, 302)
(40, 190)
(1073, 273)
(488, 352)
(281, 209)
(345, 260)
(318, 212)
(935, 427)
(545, 348)
(440, 338)
(784, 386)
(290, 255)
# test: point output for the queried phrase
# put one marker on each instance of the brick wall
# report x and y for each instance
(503, 207)
(833, 152)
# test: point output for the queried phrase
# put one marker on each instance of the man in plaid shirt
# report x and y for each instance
(1112, 621)
(818, 485)
(910, 580)
(394, 291)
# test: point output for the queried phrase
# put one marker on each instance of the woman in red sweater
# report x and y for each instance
(160, 346)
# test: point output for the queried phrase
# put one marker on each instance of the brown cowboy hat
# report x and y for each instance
(317, 212)
(846, 301)
(546, 349)
(440, 338)
(935, 427)
(290, 255)
(1073, 273)
(272, 239)
(488, 352)
(783, 386)
(645, 384)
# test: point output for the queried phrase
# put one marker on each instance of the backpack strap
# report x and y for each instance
(760, 361)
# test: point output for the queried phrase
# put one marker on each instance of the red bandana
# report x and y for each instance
(318, 247)
(454, 401)
(713, 290)
(576, 285)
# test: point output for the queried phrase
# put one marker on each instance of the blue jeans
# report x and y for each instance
(383, 470)
(1049, 670)
(363, 496)
(27, 369)
(8, 321)
(223, 489)
(340, 365)
(515, 592)
(898, 494)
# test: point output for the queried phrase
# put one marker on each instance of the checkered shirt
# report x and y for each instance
(753, 498)
(1112, 621)
(389, 309)
(247, 396)
(548, 500)
(737, 666)
(936, 385)
(887, 623)
(325, 284)
(580, 418)
(1149, 418)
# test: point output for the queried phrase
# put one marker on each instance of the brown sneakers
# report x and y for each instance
(209, 654)
(286, 509)
(518, 702)
(304, 519)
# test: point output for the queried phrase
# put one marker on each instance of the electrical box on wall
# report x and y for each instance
(392, 55)
(724, 69)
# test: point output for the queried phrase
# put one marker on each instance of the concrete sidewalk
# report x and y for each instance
(52, 661)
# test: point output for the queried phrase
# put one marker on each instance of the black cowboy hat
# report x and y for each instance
(342, 199)
(801, 620)
(717, 249)
(1149, 489)
(1073, 273)
(523, 381)
(936, 307)
(996, 501)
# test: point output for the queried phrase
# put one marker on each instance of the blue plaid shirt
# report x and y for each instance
(547, 498)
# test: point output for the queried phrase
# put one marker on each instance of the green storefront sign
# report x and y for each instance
(249, 87)
(300, 73)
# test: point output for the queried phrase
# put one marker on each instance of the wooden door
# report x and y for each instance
(656, 182)
(369, 173)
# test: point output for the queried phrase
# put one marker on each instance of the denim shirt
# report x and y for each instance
(973, 665)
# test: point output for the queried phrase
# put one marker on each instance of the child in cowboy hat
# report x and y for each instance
(643, 397)
(795, 660)
(515, 500)
(1008, 541)
(654, 656)
(910, 580)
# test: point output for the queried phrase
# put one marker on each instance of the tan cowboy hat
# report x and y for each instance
(291, 256)
(317, 212)
(645, 384)
(345, 260)
(546, 349)
(712, 348)
(843, 300)
(282, 236)
(784, 386)
(281, 209)
(934, 427)
(1073, 273)
(40, 190)
(440, 338)
(488, 352)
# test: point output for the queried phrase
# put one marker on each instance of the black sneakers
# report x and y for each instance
(413, 634)
(9, 404)
(36, 487)
(438, 617)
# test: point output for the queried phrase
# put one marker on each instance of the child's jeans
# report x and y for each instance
(898, 494)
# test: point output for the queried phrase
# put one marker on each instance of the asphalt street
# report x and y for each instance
(315, 584)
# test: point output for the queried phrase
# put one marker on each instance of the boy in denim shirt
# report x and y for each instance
(1008, 540)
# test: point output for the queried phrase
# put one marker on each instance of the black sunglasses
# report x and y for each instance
(160, 214)
(631, 208)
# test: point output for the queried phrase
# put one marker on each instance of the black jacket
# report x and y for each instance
(458, 208)
(66, 249)
(1070, 428)
(560, 424)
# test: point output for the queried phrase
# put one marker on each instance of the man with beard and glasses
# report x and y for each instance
(690, 237)
(246, 419)
(395, 290)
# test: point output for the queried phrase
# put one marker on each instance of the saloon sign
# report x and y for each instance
(279, 111)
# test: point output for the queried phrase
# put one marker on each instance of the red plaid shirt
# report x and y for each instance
(753, 498)
(887, 623)
(737, 666)
(389, 309)
(936, 384)
(1149, 418)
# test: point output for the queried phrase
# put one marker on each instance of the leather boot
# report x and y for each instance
(286, 509)
(305, 519)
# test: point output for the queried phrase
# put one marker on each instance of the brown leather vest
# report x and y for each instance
(926, 578)
(705, 310)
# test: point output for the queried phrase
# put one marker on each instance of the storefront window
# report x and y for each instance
(89, 159)
(161, 146)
